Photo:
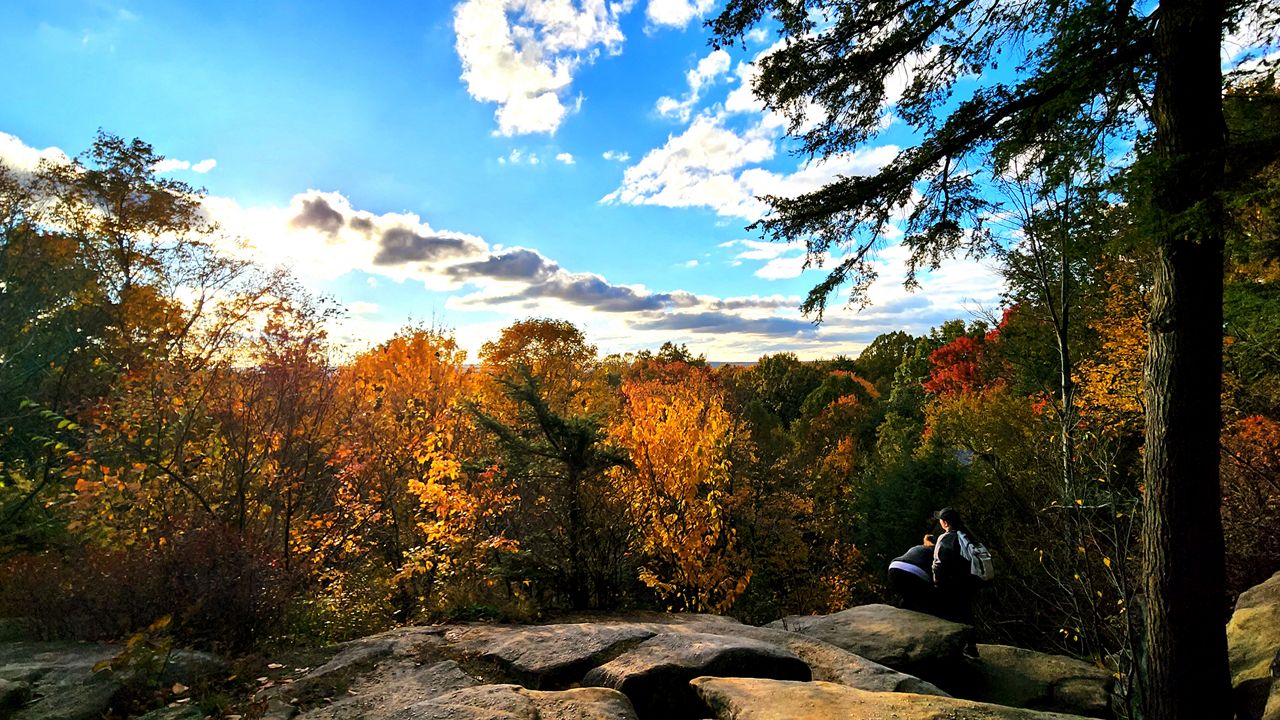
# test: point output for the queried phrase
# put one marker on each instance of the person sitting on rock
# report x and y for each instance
(952, 577)
(911, 575)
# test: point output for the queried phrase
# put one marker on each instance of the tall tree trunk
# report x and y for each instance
(1066, 385)
(1186, 648)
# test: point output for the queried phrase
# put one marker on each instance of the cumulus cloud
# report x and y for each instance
(523, 54)
(704, 73)
(677, 13)
(710, 165)
(169, 165)
(18, 156)
(616, 156)
(697, 169)
(401, 245)
(512, 264)
(566, 158)
(317, 214)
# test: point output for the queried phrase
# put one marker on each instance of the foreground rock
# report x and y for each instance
(914, 643)
(549, 656)
(393, 690)
(1027, 679)
(56, 680)
(656, 674)
(512, 702)
(833, 664)
(751, 699)
(1253, 636)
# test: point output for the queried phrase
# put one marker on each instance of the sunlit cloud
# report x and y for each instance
(523, 55)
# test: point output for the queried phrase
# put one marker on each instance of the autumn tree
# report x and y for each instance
(407, 514)
(130, 298)
(1086, 69)
(678, 488)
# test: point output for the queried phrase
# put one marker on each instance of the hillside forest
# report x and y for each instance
(179, 438)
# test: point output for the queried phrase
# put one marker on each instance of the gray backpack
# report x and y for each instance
(981, 565)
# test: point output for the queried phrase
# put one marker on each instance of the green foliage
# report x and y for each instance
(781, 383)
(895, 503)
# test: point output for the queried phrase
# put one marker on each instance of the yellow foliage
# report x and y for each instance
(680, 490)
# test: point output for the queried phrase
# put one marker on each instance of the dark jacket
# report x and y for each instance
(919, 557)
(950, 569)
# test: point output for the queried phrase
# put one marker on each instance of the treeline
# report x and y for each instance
(181, 438)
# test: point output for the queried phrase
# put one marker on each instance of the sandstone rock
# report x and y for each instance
(278, 709)
(754, 699)
(832, 664)
(185, 711)
(914, 643)
(548, 656)
(512, 702)
(1253, 636)
(61, 683)
(85, 700)
(191, 666)
(390, 690)
(333, 677)
(1028, 679)
(1272, 711)
(656, 673)
(13, 695)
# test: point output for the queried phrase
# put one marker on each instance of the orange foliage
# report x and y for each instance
(680, 491)
(404, 496)
(1110, 386)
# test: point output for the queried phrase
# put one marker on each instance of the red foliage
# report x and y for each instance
(957, 367)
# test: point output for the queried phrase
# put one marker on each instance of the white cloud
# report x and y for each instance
(677, 13)
(712, 166)
(360, 307)
(704, 73)
(16, 154)
(169, 165)
(566, 158)
(691, 263)
(520, 157)
(523, 54)
(616, 156)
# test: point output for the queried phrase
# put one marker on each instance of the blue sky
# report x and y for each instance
(471, 162)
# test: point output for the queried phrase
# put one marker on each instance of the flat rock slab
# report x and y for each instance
(754, 699)
(1027, 679)
(393, 689)
(512, 702)
(1253, 639)
(548, 656)
(655, 675)
(59, 679)
(914, 643)
(833, 664)
(360, 658)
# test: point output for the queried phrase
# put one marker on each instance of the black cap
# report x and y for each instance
(951, 515)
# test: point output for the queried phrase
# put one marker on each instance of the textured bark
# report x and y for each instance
(1186, 649)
